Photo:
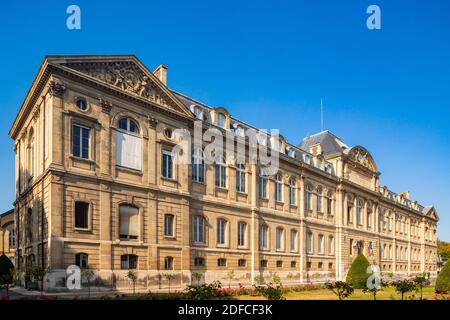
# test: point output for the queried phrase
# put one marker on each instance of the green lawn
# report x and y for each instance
(324, 294)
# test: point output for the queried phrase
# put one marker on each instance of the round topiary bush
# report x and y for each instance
(443, 279)
(357, 275)
(5, 270)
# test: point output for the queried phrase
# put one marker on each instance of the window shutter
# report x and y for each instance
(128, 150)
(129, 221)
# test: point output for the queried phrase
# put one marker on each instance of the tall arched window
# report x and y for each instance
(308, 197)
(11, 237)
(221, 231)
(292, 189)
(359, 207)
(309, 244)
(128, 144)
(320, 243)
(279, 238)
(198, 165)
(278, 188)
(129, 222)
(242, 227)
(199, 229)
(330, 203)
(263, 236)
(221, 173)
(319, 199)
(240, 177)
(294, 234)
(262, 185)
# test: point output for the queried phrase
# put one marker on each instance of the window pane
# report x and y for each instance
(85, 143)
(76, 141)
(81, 214)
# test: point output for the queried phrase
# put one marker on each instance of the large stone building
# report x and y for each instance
(98, 186)
(7, 238)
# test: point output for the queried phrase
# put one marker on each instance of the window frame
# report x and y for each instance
(241, 177)
(199, 227)
(198, 166)
(242, 234)
(128, 260)
(220, 173)
(278, 188)
(81, 144)
(87, 218)
(172, 226)
(78, 260)
(167, 165)
(221, 232)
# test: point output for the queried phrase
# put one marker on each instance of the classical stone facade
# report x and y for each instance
(7, 237)
(97, 186)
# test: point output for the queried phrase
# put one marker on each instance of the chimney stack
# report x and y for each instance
(161, 73)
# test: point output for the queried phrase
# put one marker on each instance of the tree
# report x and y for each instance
(443, 279)
(88, 274)
(340, 288)
(357, 275)
(421, 281)
(39, 274)
(6, 272)
(443, 249)
(404, 286)
(169, 277)
(373, 290)
(230, 275)
(132, 275)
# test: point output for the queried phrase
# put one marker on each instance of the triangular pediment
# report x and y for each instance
(431, 212)
(124, 73)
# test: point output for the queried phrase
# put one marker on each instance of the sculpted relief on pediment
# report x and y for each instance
(126, 76)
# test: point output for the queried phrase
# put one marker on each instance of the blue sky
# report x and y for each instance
(269, 63)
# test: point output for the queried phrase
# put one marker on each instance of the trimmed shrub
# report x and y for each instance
(443, 279)
(357, 275)
(6, 268)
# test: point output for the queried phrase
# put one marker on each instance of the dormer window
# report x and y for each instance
(221, 120)
(262, 138)
(307, 158)
(239, 130)
(290, 152)
(329, 168)
(198, 112)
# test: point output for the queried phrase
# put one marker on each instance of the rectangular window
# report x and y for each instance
(128, 261)
(198, 166)
(168, 263)
(167, 165)
(199, 262)
(329, 204)
(221, 175)
(168, 225)
(80, 141)
(242, 263)
(293, 264)
(81, 215)
(221, 262)
(129, 222)
(263, 263)
(279, 263)
(128, 150)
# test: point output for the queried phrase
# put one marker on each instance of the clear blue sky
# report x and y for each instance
(269, 63)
